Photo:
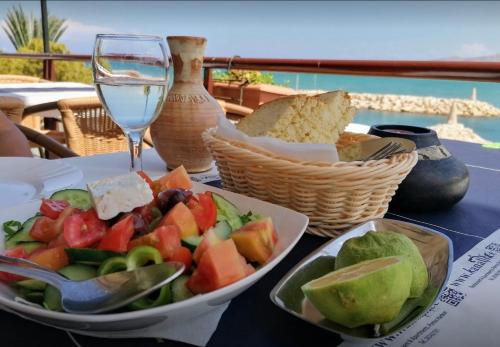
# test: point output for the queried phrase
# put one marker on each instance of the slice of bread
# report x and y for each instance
(301, 118)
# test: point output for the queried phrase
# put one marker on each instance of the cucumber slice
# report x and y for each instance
(179, 289)
(77, 198)
(30, 246)
(31, 284)
(191, 242)
(227, 211)
(52, 296)
(23, 235)
(52, 299)
(89, 256)
(222, 229)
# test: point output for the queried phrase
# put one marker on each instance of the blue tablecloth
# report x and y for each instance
(253, 320)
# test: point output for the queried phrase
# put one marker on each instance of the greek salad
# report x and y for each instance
(124, 222)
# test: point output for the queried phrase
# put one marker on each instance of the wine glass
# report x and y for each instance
(131, 76)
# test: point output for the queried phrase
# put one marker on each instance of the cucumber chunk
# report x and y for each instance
(222, 229)
(32, 284)
(227, 211)
(191, 242)
(52, 296)
(89, 256)
(23, 235)
(179, 290)
(77, 198)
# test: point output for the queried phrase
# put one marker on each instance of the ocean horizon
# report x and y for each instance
(485, 91)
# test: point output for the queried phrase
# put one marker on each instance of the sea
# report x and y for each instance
(486, 127)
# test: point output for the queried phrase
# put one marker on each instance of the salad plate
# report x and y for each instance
(290, 226)
(437, 252)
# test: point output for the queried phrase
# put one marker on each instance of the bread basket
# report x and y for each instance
(335, 196)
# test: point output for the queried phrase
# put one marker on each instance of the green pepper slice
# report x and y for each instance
(141, 255)
(110, 265)
(160, 297)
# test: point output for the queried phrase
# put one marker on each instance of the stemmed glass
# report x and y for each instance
(131, 76)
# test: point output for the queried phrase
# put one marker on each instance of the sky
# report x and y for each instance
(282, 29)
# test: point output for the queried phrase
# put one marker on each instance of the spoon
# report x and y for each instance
(100, 294)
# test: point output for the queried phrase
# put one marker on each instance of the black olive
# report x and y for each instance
(171, 197)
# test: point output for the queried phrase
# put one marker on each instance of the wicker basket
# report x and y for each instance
(334, 196)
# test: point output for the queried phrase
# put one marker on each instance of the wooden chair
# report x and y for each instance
(21, 79)
(88, 129)
(53, 149)
(12, 107)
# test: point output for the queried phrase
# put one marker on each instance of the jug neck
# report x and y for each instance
(187, 57)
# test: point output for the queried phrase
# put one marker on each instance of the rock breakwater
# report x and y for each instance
(423, 104)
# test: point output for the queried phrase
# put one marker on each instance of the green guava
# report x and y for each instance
(370, 292)
(385, 244)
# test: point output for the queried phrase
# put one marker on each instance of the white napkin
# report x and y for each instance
(295, 151)
(197, 331)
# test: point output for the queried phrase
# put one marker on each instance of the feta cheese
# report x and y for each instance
(113, 195)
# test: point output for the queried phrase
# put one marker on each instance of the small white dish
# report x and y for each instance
(23, 179)
(290, 226)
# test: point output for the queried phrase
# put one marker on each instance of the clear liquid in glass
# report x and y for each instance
(132, 106)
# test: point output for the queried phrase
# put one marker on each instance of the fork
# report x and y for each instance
(389, 149)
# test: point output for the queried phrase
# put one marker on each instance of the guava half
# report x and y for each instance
(385, 244)
(370, 292)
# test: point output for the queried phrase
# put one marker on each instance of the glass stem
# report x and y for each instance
(135, 147)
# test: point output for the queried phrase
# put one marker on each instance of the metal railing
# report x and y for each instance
(455, 70)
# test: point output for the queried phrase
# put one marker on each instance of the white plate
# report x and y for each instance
(23, 179)
(290, 226)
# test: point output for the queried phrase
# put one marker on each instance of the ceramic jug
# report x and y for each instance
(188, 110)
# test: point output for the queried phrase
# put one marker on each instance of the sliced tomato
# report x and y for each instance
(83, 229)
(52, 208)
(118, 237)
(53, 258)
(16, 252)
(205, 212)
(59, 223)
(58, 241)
(169, 239)
(183, 255)
(44, 229)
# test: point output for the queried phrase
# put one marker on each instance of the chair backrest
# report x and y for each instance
(12, 107)
(20, 79)
(88, 129)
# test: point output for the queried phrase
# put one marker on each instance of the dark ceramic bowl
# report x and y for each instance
(438, 181)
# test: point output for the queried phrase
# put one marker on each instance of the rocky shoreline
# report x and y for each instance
(423, 104)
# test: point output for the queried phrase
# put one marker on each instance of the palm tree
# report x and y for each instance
(21, 29)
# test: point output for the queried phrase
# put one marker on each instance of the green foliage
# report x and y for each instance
(244, 76)
(65, 70)
(21, 29)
